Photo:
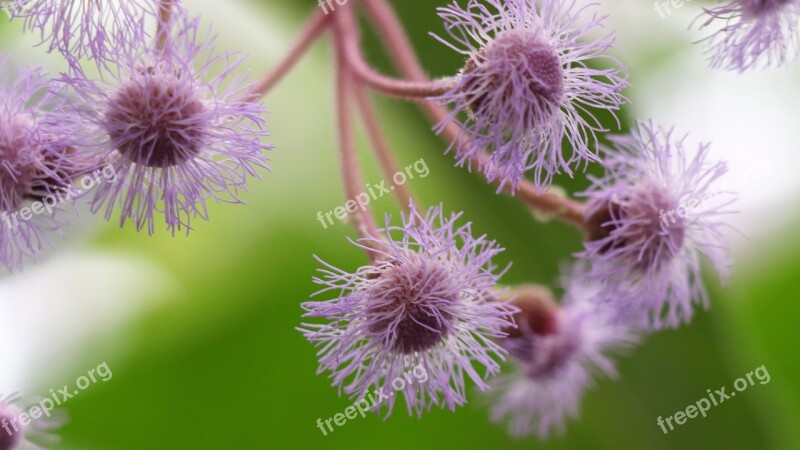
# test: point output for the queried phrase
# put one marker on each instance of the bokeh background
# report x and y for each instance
(199, 331)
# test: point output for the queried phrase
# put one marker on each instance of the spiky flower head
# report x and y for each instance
(79, 28)
(427, 301)
(652, 216)
(527, 86)
(31, 434)
(753, 33)
(178, 128)
(556, 362)
(37, 163)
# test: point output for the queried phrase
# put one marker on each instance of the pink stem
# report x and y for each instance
(353, 182)
(396, 39)
(382, 14)
(165, 11)
(380, 146)
(411, 90)
(312, 31)
(408, 90)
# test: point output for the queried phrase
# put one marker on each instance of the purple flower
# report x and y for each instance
(78, 28)
(556, 363)
(427, 301)
(754, 32)
(175, 125)
(14, 435)
(527, 86)
(621, 303)
(37, 165)
(652, 217)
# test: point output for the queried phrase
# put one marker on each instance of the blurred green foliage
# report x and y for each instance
(221, 365)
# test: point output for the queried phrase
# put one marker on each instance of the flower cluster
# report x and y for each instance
(652, 217)
(427, 299)
(175, 136)
(557, 352)
(524, 104)
(538, 83)
(36, 160)
(753, 33)
(527, 87)
(166, 115)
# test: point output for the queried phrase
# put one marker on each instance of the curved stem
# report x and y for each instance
(396, 41)
(311, 32)
(380, 146)
(411, 90)
(353, 182)
(554, 205)
(408, 90)
(165, 12)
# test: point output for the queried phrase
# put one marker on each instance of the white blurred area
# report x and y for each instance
(78, 297)
(63, 304)
(749, 118)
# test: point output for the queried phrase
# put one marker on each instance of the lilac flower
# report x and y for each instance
(174, 137)
(652, 217)
(556, 363)
(38, 431)
(621, 303)
(754, 32)
(35, 162)
(427, 301)
(78, 28)
(527, 85)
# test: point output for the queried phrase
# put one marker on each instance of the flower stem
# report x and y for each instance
(407, 90)
(353, 182)
(311, 32)
(411, 90)
(380, 146)
(165, 12)
(395, 39)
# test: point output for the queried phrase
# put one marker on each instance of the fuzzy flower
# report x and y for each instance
(427, 302)
(556, 362)
(653, 216)
(78, 28)
(37, 165)
(527, 86)
(175, 125)
(754, 32)
(33, 436)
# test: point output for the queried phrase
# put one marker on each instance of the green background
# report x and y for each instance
(219, 365)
